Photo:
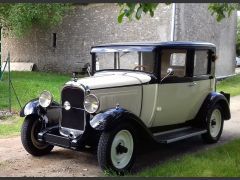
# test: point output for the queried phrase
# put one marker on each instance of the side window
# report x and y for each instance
(175, 59)
(200, 62)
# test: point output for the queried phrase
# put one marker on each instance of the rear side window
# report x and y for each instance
(200, 62)
(175, 59)
(178, 59)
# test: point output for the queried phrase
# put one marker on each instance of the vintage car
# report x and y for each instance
(165, 91)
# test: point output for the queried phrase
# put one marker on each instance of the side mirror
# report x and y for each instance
(86, 69)
(170, 72)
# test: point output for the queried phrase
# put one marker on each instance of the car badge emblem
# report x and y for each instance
(66, 105)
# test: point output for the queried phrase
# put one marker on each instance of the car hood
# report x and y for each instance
(112, 79)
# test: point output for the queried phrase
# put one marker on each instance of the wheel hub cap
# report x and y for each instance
(120, 149)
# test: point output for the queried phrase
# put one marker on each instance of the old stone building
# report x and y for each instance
(66, 47)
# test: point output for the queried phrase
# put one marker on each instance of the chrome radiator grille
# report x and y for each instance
(75, 117)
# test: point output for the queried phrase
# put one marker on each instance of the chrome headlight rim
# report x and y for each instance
(97, 100)
(48, 100)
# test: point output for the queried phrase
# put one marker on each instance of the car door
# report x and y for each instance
(202, 78)
(176, 93)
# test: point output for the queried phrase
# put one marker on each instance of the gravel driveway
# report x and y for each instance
(15, 161)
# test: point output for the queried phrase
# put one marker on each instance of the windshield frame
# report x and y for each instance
(124, 49)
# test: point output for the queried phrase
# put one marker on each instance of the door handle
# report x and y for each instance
(192, 84)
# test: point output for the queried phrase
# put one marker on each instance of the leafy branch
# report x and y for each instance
(219, 10)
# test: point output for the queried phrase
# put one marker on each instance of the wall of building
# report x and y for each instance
(86, 26)
(97, 24)
(195, 22)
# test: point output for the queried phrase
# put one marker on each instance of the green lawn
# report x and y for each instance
(10, 126)
(222, 161)
(230, 85)
(29, 85)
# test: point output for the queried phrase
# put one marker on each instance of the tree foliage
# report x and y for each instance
(19, 18)
(129, 10)
(222, 10)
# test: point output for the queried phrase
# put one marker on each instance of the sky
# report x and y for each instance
(238, 13)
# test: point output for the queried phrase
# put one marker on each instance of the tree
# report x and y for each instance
(220, 10)
(19, 18)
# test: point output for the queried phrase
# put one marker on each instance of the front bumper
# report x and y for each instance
(52, 136)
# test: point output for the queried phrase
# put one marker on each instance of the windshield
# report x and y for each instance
(133, 60)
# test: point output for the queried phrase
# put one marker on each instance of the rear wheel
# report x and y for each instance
(116, 149)
(30, 129)
(214, 125)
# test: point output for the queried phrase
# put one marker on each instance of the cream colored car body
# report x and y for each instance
(154, 104)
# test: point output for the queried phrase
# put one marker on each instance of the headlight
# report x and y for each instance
(45, 99)
(91, 103)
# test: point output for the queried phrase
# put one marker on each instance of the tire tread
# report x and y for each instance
(27, 142)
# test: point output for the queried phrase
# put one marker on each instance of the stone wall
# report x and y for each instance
(86, 26)
(194, 22)
(94, 24)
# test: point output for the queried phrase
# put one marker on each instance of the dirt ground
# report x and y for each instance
(15, 161)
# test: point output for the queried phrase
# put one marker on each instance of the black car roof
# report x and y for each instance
(152, 45)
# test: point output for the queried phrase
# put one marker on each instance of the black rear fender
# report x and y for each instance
(223, 100)
(211, 100)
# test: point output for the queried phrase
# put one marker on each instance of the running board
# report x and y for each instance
(177, 134)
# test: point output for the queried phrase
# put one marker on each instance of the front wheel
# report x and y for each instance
(116, 149)
(214, 125)
(30, 129)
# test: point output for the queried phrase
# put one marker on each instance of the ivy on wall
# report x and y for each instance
(19, 18)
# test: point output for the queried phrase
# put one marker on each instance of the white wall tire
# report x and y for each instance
(116, 149)
(215, 124)
(29, 131)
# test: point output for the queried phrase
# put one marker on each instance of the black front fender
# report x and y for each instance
(110, 119)
(33, 108)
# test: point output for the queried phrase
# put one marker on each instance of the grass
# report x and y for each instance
(10, 126)
(29, 85)
(230, 85)
(222, 161)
